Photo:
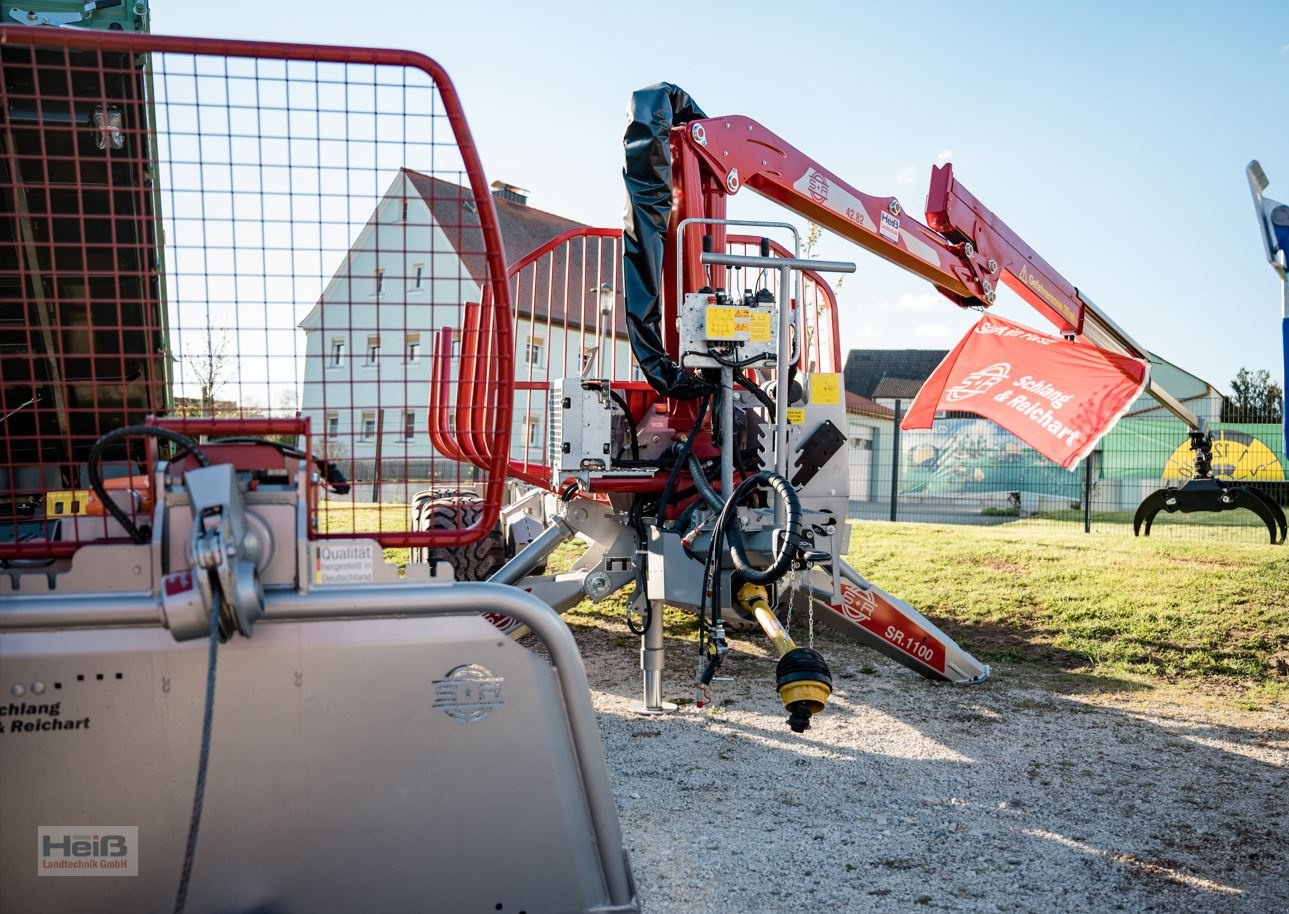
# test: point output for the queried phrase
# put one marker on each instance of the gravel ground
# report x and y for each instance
(910, 796)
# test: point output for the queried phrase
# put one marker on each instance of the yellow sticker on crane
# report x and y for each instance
(721, 322)
(761, 328)
(825, 388)
(796, 416)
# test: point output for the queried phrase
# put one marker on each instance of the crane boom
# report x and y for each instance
(965, 250)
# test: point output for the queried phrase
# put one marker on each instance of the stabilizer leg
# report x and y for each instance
(894, 628)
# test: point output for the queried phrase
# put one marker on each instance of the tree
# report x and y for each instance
(210, 367)
(1254, 398)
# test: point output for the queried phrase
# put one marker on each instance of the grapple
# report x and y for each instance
(1205, 492)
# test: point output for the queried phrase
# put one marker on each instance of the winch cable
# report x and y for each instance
(186, 445)
(95, 457)
(199, 793)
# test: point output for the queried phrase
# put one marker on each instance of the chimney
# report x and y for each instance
(503, 191)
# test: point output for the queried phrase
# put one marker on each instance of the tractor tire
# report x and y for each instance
(476, 561)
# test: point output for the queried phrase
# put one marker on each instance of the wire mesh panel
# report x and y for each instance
(198, 229)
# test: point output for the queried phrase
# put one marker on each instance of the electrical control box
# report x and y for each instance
(719, 330)
(581, 427)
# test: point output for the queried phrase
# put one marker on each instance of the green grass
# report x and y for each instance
(1182, 610)
(1163, 524)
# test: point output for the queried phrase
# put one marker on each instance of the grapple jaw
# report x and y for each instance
(1211, 494)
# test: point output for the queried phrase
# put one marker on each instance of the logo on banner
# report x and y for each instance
(979, 382)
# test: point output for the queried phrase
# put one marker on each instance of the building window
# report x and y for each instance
(337, 353)
(533, 351)
(418, 275)
(412, 347)
(369, 426)
(404, 209)
(373, 349)
(587, 357)
(635, 372)
(456, 344)
(333, 425)
(409, 425)
(380, 280)
(534, 431)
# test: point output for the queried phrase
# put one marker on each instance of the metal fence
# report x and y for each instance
(967, 470)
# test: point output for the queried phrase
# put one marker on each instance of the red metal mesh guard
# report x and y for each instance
(246, 231)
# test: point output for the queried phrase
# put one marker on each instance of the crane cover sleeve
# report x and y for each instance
(654, 110)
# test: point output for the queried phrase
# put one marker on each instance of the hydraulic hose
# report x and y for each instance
(95, 457)
(786, 550)
(703, 485)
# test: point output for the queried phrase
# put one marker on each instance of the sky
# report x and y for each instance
(1112, 137)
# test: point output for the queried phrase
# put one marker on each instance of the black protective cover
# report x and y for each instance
(654, 110)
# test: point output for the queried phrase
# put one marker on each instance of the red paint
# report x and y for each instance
(869, 610)
(1058, 397)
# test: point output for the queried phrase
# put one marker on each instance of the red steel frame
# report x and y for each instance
(496, 383)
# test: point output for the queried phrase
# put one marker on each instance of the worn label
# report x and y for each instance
(761, 327)
(347, 563)
(796, 416)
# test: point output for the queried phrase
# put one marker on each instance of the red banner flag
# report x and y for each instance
(1059, 397)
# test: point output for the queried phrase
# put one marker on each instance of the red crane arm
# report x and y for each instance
(965, 251)
(953, 211)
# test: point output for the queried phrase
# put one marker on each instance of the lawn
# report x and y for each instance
(1196, 612)
(1169, 609)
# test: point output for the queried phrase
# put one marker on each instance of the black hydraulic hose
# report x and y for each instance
(744, 382)
(704, 487)
(96, 456)
(631, 423)
(786, 550)
(682, 452)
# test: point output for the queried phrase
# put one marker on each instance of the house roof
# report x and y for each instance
(865, 368)
(866, 407)
(897, 388)
(523, 230)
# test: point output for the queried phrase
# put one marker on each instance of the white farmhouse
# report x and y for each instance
(369, 338)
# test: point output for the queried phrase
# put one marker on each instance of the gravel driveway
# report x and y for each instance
(912, 796)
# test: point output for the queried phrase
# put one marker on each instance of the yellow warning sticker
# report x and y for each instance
(760, 324)
(720, 322)
(796, 416)
(825, 388)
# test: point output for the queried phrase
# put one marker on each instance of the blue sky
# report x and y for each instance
(1111, 136)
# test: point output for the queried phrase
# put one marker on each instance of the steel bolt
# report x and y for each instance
(38, 688)
(732, 181)
(969, 249)
(17, 690)
(992, 265)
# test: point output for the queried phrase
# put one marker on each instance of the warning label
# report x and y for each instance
(348, 563)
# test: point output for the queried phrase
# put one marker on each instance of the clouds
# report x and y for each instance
(920, 301)
(905, 174)
(933, 332)
(947, 154)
